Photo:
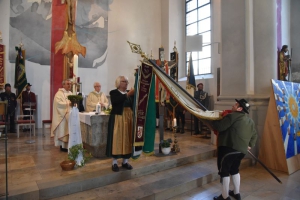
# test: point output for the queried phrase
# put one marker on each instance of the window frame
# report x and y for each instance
(197, 70)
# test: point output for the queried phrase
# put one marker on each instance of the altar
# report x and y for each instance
(94, 129)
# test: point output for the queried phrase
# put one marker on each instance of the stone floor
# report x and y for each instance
(32, 164)
(256, 184)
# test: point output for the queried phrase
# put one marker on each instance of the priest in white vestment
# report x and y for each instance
(60, 116)
(96, 97)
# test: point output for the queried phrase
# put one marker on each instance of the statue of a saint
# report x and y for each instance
(283, 63)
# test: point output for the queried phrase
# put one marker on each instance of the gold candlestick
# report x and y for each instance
(175, 147)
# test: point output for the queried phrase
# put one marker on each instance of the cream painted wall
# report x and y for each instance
(295, 42)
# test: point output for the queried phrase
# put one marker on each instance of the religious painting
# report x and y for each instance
(31, 22)
(287, 97)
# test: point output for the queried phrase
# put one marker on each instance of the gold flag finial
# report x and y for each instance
(136, 48)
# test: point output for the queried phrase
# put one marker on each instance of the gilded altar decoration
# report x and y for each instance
(69, 43)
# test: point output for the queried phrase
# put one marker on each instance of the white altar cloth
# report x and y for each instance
(86, 117)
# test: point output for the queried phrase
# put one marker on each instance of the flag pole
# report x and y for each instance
(265, 167)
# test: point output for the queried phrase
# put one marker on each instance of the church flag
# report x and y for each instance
(20, 73)
(144, 112)
(2, 66)
(150, 121)
(190, 82)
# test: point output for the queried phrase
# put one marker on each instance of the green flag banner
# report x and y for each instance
(20, 73)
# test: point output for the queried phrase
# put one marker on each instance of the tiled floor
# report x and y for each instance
(256, 184)
(30, 164)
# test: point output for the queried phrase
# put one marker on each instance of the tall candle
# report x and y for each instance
(75, 73)
(174, 122)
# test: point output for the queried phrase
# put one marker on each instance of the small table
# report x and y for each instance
(94, 130)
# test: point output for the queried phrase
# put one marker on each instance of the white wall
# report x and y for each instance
(295, 42)
(285, 22)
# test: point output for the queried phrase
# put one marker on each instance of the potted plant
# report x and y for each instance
(166, 146)
(75, 99)
(73, 153)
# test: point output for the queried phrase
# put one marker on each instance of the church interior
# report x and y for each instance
(241, 46)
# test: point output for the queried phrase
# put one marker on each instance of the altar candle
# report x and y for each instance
(174, 122)
(75, 73)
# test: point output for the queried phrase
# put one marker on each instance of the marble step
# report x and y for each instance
(94, 175)
(160, 185)
(104, 177)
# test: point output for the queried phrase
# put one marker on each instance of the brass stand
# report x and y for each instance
(175, 147)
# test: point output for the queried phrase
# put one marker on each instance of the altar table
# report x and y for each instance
(94, 133)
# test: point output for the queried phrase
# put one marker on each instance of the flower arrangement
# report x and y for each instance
(75, 98)
(108, 109)
(165, 143)
(74, 152)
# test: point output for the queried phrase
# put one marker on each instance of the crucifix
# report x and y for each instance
(69, 44)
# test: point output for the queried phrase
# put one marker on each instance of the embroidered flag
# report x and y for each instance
(190, 82)
(20, 73)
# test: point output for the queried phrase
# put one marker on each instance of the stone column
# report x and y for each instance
(249, 55)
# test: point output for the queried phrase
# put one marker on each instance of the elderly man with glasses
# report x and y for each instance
(96, 97)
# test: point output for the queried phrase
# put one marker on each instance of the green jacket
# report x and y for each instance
(237, 131)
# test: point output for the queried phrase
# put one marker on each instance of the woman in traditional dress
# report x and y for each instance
(120, 124)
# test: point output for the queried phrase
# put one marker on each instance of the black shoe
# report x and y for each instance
(182, 131)
(177, 131)
(127, 166)
(221, 198)
(236, 196)
(167, 129)
(63, 149)
(24, 130)
(156, 126)
(115, 168)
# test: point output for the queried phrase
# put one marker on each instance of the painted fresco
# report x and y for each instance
(30, 21)
(287, 97)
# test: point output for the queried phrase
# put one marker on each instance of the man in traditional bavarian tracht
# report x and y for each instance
(11, 107)
(28, 103)
(202, 97)
(237, 135)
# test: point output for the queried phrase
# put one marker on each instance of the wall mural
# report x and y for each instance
(30, 21)
(287, 97)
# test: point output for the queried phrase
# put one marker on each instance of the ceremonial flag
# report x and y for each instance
(150, 121)
(20, 73)
(144, 112)
(190, 82)
(2, 66)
